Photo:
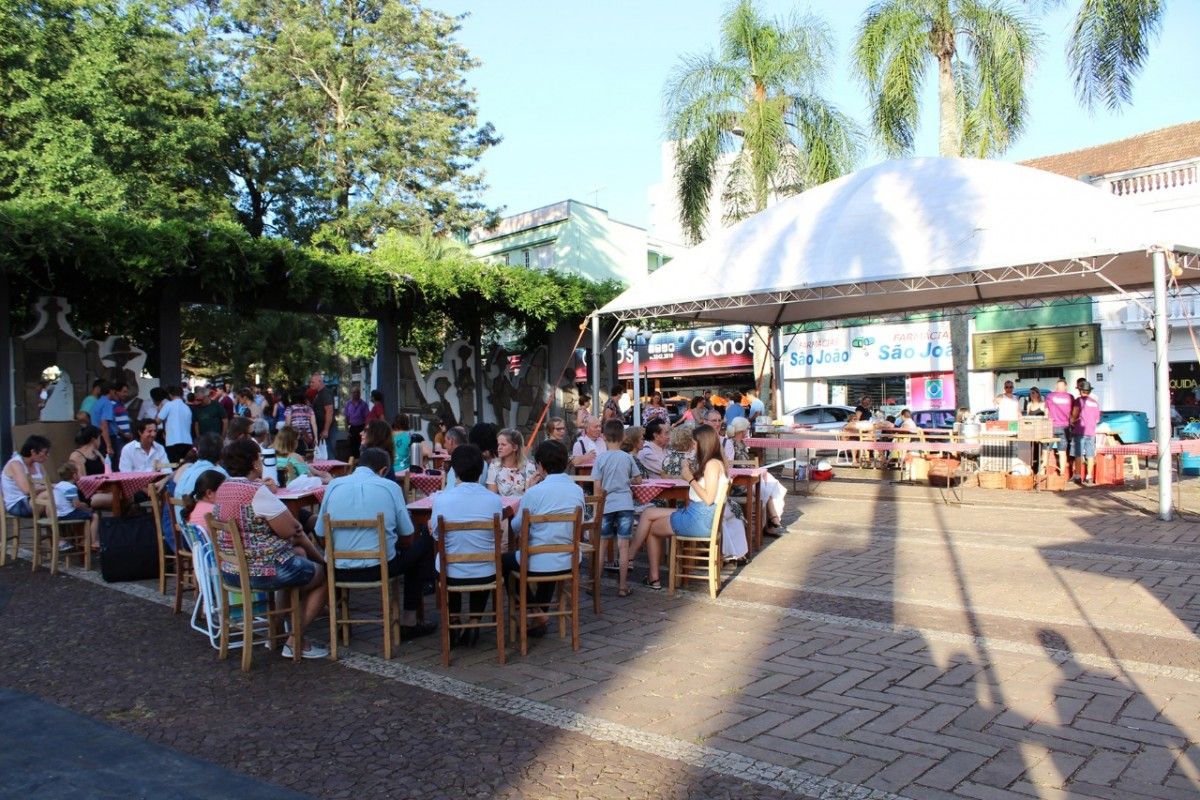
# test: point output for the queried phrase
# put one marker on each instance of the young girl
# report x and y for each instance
(200, 501)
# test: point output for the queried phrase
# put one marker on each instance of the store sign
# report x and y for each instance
(869, 350)
(931, 391)
(1070, 346)
(698, 351)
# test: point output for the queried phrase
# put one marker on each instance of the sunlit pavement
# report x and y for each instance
(1017, 645)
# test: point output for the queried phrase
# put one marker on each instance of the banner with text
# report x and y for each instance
(910, 347)
(691, 352)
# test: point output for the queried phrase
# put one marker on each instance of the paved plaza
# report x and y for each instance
(1019, 645)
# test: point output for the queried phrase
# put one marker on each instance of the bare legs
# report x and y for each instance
(653, 527)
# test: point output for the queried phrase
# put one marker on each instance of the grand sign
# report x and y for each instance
(911, 347)
(691, 352)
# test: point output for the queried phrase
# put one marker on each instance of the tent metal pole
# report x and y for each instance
(1162, 377)
(595, 373)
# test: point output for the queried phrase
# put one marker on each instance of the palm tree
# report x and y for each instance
(756, 99)
(1110, 41)
(982, 51)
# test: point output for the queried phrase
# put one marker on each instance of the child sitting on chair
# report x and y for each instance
(69, 506)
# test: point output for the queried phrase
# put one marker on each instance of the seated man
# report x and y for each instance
(555, 494)
(361, 495)
(145, 454)
(468, 501)
(208, 456)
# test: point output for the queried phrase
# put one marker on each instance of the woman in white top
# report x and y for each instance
(511, 473)
(22, 469)
(694, 520)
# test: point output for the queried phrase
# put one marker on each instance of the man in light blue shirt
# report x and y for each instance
(467, 502)
(756, 409)
(734, 409)
(363, 494)
(556, 493)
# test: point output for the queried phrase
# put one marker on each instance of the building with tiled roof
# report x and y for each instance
(1154, 148)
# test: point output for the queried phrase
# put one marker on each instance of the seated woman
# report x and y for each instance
(511, 472)
(87, 459)
(774, 491)
(278, 553)
(401, 448)
(682, 449)
(288, 461)
(379, 434)
(16, 482)
(694, 520)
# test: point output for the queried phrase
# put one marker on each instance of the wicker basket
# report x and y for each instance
(1056, 482)
(942, 471)
(991, 480)
(1020, 483)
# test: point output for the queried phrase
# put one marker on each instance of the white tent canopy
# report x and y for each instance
(906, 236)
(917, 235)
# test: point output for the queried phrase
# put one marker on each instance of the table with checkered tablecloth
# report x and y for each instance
(424, 482)
(650, 490)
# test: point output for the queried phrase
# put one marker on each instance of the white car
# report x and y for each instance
(821, 417)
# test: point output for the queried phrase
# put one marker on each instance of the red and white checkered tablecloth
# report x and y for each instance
(647, 491)
(330, 465)
(423, 482)
(129, 483)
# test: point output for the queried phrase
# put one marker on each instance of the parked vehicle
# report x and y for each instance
(821, 417)
(935, 417)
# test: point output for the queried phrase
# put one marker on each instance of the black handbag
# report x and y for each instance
(128, 550)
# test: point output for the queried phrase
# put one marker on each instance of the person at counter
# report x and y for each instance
(1008, 405)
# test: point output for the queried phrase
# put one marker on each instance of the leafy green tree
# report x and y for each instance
(982, 51)
(757, 99)
(98, 107)
(372, 124)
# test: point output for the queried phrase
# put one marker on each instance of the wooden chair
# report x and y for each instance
(697, 559)
(339, 590)
(593, 548)
(250, 615)
(156, 507)
(494, 584)
(10, 528)
(49, 529)
(568, 581)
(752, 506)
(185, 568)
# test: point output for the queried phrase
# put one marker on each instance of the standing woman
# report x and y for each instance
(583, 412)
(511, 473)
(377, 411)
(299, 415)
(656, 411)
(1035, 406)
(694, 520)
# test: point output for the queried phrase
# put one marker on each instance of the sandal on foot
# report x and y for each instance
(656, 585)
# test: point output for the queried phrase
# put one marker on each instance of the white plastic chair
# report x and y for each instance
(206, 616)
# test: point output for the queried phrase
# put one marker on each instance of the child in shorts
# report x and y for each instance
(69, 506)
(615, 471)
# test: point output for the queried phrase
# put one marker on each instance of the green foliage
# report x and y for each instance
(758, 98)
(983, 51)
(282, 348)
(98, 107)
(1110, 42)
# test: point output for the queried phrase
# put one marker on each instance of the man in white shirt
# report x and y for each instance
(176, 417)
(554, 494)
(1008, 405)
(468, 501)
(655, 449)
(146, 454)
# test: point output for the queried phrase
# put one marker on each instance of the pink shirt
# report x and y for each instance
(1058, 408)
(198, 512)
(1089, 415)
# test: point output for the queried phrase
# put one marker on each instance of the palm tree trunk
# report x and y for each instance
(949, 138)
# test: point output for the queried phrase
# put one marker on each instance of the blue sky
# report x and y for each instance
(575, 89)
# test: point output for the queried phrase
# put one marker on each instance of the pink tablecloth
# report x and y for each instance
(317, 492)
(422, 482)
(129, 483)
(646, 491)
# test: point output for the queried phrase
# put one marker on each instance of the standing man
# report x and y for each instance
(1008, 406)
(1086, 418)
(1059, 407)
(176, 417)
(322, 405)
(756, 406)
(102, 418)
(356, 420)
(208, 417)
(221, 390)
(98, 389)
(734, 409)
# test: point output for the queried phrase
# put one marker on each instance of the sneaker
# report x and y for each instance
(312, 651)
(65, 547)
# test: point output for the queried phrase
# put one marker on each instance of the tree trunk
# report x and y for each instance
(949, 137)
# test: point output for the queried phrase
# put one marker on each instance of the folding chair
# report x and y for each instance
(699, 559)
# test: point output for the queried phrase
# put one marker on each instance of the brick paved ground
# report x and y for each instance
(1017, 646)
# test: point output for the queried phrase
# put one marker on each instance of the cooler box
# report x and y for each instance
(1110, 470)
(1131, 426)
(1189, 463)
